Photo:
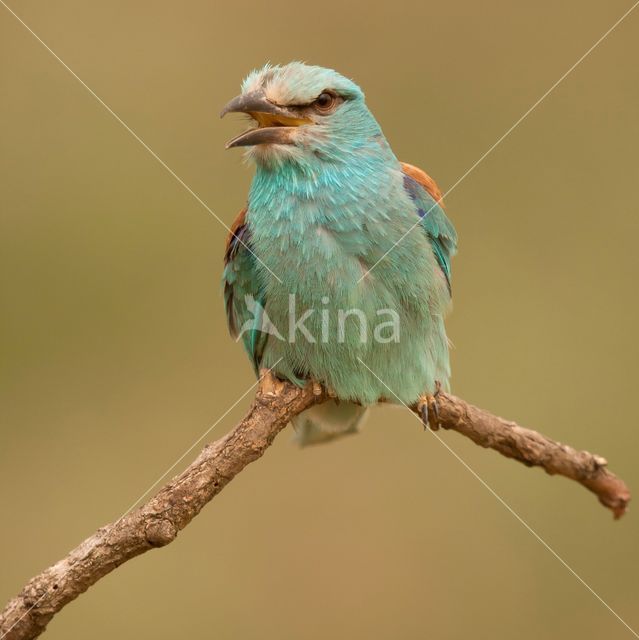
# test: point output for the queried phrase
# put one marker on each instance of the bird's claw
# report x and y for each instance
(428, 408)
(270, 385)
(319, 389)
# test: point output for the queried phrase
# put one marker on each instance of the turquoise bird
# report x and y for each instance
(338, 270)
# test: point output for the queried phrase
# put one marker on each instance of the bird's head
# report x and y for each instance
(302, 114)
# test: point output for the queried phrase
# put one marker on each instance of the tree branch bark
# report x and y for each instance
(535, 450)
(158, 522)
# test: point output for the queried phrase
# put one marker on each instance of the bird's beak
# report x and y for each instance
(275, 124)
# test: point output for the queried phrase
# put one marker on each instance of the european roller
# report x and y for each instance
(338, 270)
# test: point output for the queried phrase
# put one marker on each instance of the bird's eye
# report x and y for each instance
(325, 102)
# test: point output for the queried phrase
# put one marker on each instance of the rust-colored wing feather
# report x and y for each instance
(234, 237)
(425, 180)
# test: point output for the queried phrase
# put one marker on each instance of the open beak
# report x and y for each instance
(275, 124)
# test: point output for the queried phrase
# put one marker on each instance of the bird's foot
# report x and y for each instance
(319, 389)
(428, 408)
(270, 385)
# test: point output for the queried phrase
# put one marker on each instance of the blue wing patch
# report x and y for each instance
(440, 230)
(244, 298)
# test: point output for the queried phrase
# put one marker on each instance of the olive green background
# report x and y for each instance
(115, 356)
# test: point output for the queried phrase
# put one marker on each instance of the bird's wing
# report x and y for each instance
(427, 197)
(243, 297)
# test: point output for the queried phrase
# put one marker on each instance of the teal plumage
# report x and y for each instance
(338, 229)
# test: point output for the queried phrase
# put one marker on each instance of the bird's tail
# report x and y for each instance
(327, 421)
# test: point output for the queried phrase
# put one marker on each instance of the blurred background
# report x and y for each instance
(114, 355)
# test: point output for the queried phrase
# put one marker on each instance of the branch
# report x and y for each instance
(157, 523)
(535, 450)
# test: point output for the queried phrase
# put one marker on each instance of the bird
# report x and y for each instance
(338, 268)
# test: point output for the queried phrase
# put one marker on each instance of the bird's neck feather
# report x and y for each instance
(322, 184)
